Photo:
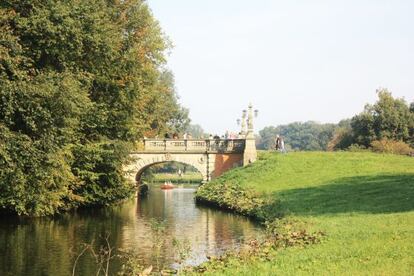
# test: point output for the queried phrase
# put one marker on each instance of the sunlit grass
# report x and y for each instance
(364, 202)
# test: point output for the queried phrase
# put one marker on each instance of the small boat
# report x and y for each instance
(167, 186)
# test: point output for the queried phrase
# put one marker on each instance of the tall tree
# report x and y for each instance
(342, 136)
(80, 80)
(170, 116)
(389, 118)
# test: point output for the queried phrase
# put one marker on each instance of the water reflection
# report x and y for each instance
(42, 246)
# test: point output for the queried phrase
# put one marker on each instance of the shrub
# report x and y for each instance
(231, 196)
(391, 146)
(357, 148)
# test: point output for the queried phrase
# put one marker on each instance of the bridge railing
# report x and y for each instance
(194, 145)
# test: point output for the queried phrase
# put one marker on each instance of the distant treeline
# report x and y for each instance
(298, 136)
(386, 125)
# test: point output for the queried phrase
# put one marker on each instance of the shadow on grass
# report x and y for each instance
(362, 194)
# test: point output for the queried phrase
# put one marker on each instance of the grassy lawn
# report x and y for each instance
(364, 202)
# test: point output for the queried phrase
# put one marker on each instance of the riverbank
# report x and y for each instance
(363, 202)
(188, 177)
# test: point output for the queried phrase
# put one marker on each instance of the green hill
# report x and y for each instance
(364, 202)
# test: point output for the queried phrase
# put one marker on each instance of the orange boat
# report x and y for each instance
(167, 186)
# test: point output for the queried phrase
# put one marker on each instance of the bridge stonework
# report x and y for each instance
(210, 157)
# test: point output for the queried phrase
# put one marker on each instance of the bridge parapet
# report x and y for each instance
(195, 145)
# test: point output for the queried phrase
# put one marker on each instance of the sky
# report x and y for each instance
(295, 60)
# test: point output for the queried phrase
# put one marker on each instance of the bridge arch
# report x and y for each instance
(143, 161)
(139, 174)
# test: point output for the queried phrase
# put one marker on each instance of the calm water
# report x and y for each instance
(47, 246)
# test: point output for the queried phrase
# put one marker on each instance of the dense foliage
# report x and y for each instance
(79, 82)
(231, 196)
(388, 119)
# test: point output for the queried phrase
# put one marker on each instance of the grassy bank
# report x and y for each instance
(363, 202)
(189, 177)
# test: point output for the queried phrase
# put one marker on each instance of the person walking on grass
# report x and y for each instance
(282, 145)
(277, 143)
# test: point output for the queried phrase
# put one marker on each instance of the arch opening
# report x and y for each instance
(174, 171)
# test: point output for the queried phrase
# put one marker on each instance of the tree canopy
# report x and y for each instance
(80, 81)
(390, 121)
(389, 118)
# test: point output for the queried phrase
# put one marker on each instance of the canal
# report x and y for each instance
(49, 246)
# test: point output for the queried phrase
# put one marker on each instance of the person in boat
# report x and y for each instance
(167, 185)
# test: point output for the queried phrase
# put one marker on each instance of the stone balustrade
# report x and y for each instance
(195, 145)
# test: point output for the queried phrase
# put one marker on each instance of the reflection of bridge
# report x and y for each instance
(210, 157)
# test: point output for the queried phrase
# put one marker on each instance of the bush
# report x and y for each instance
(231, 196)
(357, 148)
(392, 146)
(99, 168)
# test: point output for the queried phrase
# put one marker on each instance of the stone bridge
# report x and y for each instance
(211, 157)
